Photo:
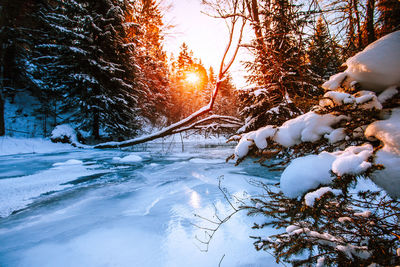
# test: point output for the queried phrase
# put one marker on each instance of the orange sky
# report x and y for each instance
(204, 35)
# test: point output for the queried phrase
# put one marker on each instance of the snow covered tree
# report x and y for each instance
(110, 97)
(189, 81)
(279, 69)
(389, 16)
(148, 37)
(322, 53)
(338, 198)
(15, 43)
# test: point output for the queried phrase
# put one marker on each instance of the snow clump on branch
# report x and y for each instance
(375, 68)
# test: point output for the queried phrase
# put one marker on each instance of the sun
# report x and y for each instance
(192, 78)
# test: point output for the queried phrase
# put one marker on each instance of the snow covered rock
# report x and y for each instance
(388, 132)
(375, 68)
(64, 133)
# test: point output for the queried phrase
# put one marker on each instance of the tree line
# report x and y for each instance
(98, 65)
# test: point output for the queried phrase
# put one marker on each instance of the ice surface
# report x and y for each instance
(17, 193)
(139, 215)
(69, 162)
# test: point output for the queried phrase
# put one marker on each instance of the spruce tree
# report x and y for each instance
(279, 68)
(321, 53)
(389, 16)
(151, 58)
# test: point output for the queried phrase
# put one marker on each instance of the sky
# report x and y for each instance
(205, 36)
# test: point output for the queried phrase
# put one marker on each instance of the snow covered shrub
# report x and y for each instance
(330, 211)
(64, 133)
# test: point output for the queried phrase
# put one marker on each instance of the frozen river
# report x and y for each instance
(125, 208)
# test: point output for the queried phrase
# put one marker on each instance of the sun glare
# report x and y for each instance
(192, 78)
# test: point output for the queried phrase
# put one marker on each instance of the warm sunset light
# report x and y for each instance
(192, 78)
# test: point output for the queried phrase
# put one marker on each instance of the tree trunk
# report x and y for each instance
(96, 126)
(370, 21)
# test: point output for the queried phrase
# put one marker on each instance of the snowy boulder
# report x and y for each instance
(375, 68)
(388, 132)
(64, 133)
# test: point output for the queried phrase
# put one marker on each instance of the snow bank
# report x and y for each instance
(375, 68)
(13, 145)
(307, 173)
(309, 127)
(388, 132)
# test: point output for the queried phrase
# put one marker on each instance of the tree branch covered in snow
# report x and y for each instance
(337, 200)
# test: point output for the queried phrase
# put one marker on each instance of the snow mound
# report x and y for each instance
(13, 145)
(309, 127)
(64, 133)
(307, 173)
(375, 68)
(388, 132)
(129, 158)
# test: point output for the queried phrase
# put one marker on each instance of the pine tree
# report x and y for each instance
(109, 102)
(389, 16)
(322, 56)
(151, 58)
(279, 69)
(15, 42)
